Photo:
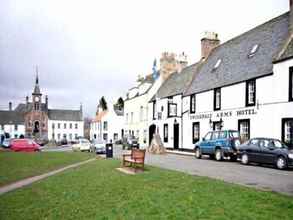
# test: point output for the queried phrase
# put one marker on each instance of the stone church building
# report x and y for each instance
(35, 119)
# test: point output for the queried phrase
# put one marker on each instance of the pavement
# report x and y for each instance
(264, 178)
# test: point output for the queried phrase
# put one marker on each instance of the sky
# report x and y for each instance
(85, 49)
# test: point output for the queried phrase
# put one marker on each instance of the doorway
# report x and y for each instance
(152, 130)
(176, 136)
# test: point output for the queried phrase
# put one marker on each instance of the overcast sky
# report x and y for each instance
(86, 49)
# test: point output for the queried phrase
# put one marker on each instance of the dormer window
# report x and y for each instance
(219, 61)
(253, 50)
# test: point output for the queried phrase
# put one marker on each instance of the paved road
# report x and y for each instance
(57, 148)
(266, 178)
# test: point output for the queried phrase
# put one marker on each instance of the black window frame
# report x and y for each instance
(166, 134)
(247, 93)
(290, 84)
(245, 121)
(284, 120)
(215, 99)
(171, 116)
(192, 106)
(154, 110)
(193, 126)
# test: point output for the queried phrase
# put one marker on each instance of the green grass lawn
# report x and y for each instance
(16, 166)
(98, 191)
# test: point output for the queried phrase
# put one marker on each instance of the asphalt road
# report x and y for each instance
(265, 178)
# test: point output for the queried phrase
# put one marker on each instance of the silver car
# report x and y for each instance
(99, 146)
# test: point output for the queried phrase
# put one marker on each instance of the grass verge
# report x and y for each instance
(98, 191)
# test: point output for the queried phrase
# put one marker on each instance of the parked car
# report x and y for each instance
(266, 151)
(218, 144)
(26, 145)
(99, 146)
(6, 143)
(130, 142)
(82, 145)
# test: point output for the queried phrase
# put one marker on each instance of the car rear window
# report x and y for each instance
(234, 134)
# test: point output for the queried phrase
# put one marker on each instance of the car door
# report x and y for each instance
(267, 153)
(205, 144)
(253, 149)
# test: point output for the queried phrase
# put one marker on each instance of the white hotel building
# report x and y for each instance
(244, 84)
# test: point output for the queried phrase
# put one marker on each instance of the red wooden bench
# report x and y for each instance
(135, 158)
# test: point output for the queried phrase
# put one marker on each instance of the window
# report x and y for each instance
(223, 135)
(217, 126)
(105, 137)
(291, 84)
(253, 50)
(219, 61)
(126, 118)
(217, 99)
(137, 134)
(70, 136)
(172, 110)
(195, 132)
(64, 125)
(15, 127)
(250, 93)
(58, 135)
(59, 125)
(105, 125)
(154, 110)
(144, 136)
(192, 103)
(165, 132)
(287, 131)
(2, 127)
(53, 126)
(75, 136)
(254, 142)
(141, 113)
(244, 129)
(115, 137)
(215, 135)
(208, 136)
(53, 136)
(76, 126)
(70, 125)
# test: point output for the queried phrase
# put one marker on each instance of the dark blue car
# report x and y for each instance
(218, 144)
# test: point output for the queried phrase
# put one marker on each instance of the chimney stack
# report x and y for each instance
(291, 17)
(208, 43)
(10, 106)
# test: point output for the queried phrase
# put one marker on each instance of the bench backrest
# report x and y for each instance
(137, 153)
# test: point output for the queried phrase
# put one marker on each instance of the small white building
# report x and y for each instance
(107, 125)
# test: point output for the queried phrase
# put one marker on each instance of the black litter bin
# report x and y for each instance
(109, 150)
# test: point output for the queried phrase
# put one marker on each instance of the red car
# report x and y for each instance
(25, 145)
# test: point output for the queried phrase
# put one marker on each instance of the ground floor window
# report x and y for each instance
(58, 135)
(144, 136)
(217, 126)
(165, 132)
(287, 131)
(195, 132)
(75, 136)
(105, 137)
(53, 136)
(115, 137)
(70, 136)
(244, 129)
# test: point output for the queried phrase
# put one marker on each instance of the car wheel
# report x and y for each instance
(197, 153)
(244, 159)
(281, 163)
(218, 155)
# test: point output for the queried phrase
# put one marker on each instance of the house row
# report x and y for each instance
(244, 84)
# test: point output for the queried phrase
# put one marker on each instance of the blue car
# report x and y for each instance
(218, 144)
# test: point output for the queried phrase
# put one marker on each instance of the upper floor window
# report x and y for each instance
(165, 132)
(15, 127)
(131, 119)
(291, 84)
(126, 118)
(192, 103)
(154, 110)
(170, 99)
(217, 99)
(70, 125)
(141, 113)
(64, 125)
(2, 127)
(59, 125)
(105, 125)
(76, 126)
(172, 110)
(53, 125)
(250, 92)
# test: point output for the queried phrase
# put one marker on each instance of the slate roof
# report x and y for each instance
(23, 108)
(11, 117)
(176, 82)
(65, 115)
(288, 51)
(236, 66)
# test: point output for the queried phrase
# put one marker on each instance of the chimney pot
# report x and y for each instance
(10, 106)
